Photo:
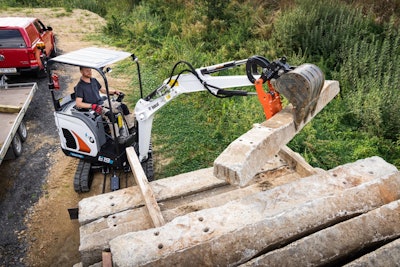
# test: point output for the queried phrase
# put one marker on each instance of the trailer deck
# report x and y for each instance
(14, 101)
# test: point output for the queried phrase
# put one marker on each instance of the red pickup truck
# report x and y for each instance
(21, 45)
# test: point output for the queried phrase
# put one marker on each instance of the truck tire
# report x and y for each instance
(22, 131)
(16, 145)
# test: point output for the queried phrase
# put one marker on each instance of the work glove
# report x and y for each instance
(97, 108)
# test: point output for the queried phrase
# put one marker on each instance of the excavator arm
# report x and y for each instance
(258, 71)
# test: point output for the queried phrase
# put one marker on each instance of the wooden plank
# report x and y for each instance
(145, 189)
(14, 95)
(10, 109)
(106, 259)
(7, 125)
(243, 158)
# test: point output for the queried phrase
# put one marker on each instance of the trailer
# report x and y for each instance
(14, 102)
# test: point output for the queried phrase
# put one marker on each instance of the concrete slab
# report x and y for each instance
(387, 255)
(338, 242)
(93, 208)
(262, 221)
(245, 156)
(95, 235)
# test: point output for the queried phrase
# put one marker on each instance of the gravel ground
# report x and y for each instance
(22, 179)
(24, 182)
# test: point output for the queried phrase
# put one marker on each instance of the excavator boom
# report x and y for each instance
(300, 85)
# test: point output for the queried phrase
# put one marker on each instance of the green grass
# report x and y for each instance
(194, 129)
(350, 44)
(190, 132)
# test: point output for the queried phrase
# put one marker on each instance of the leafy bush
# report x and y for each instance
(322, 30)
(346, 43)
(350, 44)
(371, 78)
(361, 54)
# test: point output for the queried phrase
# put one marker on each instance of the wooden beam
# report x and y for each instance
(9, 109)
(106, 259)
(145, 188)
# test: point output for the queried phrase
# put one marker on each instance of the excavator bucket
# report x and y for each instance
(302, 87)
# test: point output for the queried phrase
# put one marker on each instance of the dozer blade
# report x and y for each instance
(302, 87)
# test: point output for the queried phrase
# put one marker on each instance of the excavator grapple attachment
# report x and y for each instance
(302, 87)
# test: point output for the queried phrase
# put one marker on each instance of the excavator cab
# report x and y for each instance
(85, 134)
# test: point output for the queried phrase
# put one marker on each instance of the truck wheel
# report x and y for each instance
(22, 131)
(16, 145)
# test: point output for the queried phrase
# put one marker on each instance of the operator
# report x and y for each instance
(87, 93)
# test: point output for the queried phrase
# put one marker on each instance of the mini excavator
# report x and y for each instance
(87, 136)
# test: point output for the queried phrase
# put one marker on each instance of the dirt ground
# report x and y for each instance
(36, 190)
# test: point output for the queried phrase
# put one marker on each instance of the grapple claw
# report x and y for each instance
(302, 87)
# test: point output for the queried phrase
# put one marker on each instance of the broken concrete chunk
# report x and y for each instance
(244, 157)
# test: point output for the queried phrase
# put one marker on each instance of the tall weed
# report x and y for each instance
(350, 47)
(371, 78)
(350, 44)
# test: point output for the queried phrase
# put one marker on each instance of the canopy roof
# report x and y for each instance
(91, 57)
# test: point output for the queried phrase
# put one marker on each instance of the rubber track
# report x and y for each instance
(82, 177)
(148, 165)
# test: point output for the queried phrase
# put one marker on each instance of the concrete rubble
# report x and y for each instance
(240, 230)
(278, 210)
